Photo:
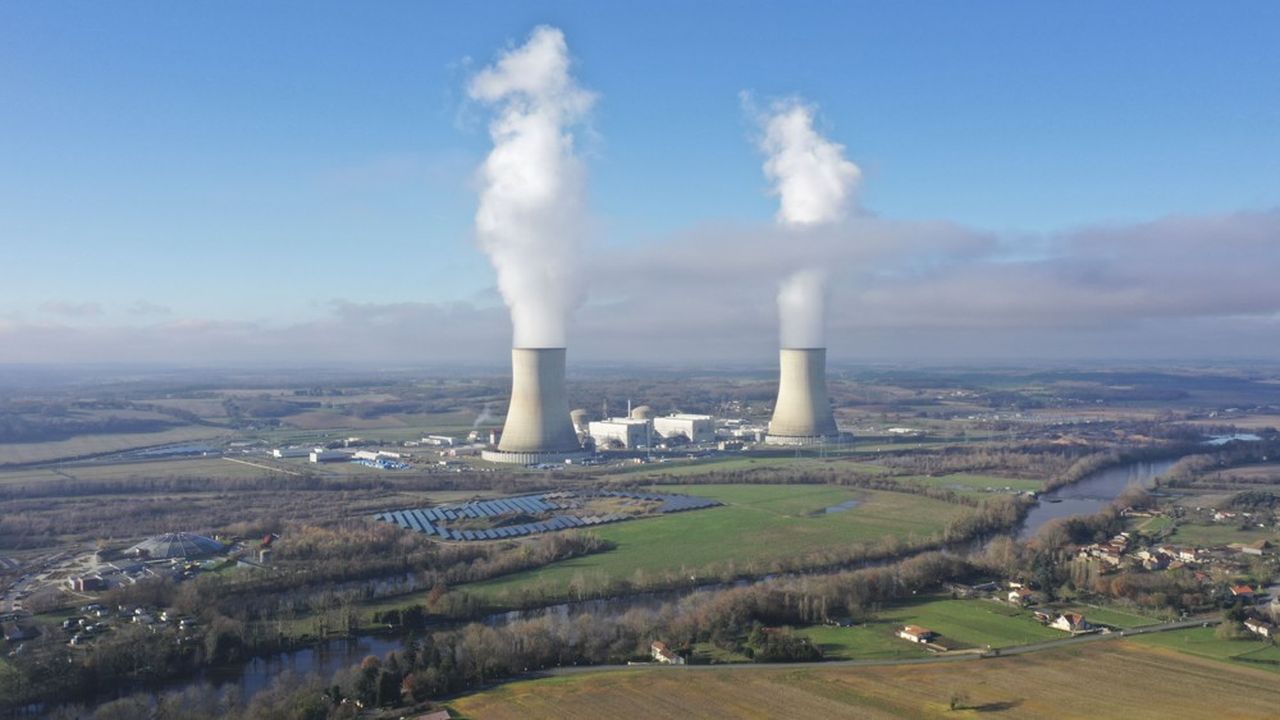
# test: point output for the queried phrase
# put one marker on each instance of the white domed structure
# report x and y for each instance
(176, 545)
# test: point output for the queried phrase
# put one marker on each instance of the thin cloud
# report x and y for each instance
(72, 309)
(146, 307)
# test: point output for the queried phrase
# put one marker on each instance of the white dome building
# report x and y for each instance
(176, 545)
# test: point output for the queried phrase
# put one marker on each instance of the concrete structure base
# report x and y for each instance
(532, 458)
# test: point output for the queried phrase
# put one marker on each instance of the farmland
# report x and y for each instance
(1204, 642)
(758, 524)
(19, 453)
(1223, 534)
(1050, 684)
(973, 623)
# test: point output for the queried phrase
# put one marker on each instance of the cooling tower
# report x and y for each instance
(538, 428)
(802, 414)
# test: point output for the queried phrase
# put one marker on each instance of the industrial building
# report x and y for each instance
(538, 428)
(802, 414)
(176, 545)
(375, 455)
(694, 428)
(320, 455)
(291, 452)
(628, 433)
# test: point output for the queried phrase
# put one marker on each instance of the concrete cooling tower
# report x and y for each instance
(802, 414)
(538, 428)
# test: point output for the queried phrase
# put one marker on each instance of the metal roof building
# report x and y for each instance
(176, 545)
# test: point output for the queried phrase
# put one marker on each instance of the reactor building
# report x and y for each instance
(802, 414)
(538, 428)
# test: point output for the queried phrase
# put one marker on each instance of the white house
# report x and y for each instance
(659, 652)
(1070, 622)
(916, 634)
(1260, 627)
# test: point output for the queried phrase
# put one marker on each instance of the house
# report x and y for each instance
(1021, 596)
(1071, 622)
(1043, 617)
(1260, 627)
(661, 653)
(1244, 592)
(917, 634)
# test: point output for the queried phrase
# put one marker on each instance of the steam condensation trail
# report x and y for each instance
(531, 217)
(814, 183)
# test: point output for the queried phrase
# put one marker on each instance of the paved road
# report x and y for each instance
(931, 660)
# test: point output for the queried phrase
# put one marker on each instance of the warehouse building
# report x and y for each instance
(627, 433)
(694, 428)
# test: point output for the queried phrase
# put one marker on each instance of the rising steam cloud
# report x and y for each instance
(532, 210)
(814, 183)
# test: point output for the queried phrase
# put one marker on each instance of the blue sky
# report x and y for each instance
(258, 161)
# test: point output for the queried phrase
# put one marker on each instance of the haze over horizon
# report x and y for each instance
(298, 185)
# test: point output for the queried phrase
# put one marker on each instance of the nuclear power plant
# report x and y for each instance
(802, 414)
(538, 428)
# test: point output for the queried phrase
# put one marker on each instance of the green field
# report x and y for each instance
(976, 623)
(1113, 617)
(1223, 534)
(872, 641)
(1153, 525)
(1204, 642)
(758, 524)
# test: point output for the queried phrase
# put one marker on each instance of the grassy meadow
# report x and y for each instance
(758, 523)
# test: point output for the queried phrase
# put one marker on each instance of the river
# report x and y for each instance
(1091, 494)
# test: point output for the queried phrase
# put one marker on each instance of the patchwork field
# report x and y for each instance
(1102, 680)
(759, 523)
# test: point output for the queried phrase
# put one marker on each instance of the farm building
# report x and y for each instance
(917, 634)
(661, 653)
(1260, 627)
(1071, 622)
(1021, 596)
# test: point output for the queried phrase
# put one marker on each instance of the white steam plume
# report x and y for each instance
(814, 183)
(802, 301)
(532, 209)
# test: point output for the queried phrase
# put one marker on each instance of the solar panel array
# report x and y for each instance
(432, 520)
